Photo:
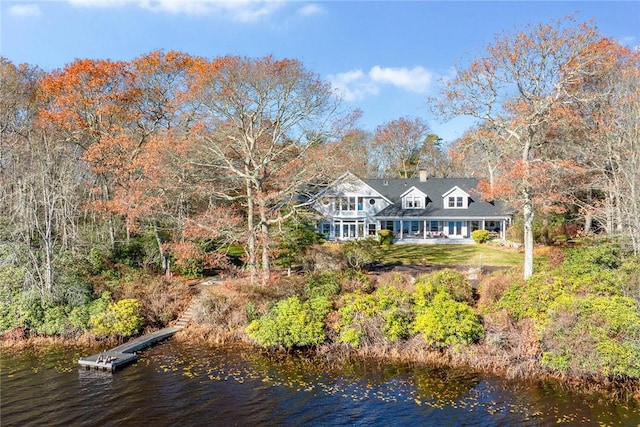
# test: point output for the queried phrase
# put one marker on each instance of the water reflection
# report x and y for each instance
(176, 384)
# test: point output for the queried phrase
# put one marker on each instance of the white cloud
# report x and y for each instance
(25, 10)
(353, 85)
(237, 10)
(311, 9)
(417, 79)
(356, 85)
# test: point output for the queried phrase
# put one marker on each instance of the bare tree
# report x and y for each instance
(514, 88)
(267, 126)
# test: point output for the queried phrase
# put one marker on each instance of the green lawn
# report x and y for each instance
(450, 255)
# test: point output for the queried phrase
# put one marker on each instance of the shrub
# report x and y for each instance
(587, 258)
(122, 318)
(533, 298)
(355, 280)
(493, 287)
(445, 322)
(291, 323)
(385, 237)
(324, 284)
(359, 254)
(367, 318)
(480, 236)
(324, 257)
(593, 335)
(80, 316)
(456, 284)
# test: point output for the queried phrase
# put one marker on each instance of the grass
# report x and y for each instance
(450, 255)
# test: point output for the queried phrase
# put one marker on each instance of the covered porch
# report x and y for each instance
(441, 230)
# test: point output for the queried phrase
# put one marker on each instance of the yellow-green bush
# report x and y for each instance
(122, 318)
(385, 237)
(455, 283)
(480, 236)
(383, 315)
(443, 321)
(593, 335)
(291, 323)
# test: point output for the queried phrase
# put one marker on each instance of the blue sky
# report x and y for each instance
(385, 56)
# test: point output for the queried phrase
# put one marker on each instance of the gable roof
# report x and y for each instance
(410, 190)
(454, 189)
(346, 177)
(435, 189)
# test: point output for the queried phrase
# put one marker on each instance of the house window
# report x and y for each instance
(372, 230)
(372, 201)
(325, 228)
(475, 225)
(349, 203)
(435, 226)
(455, 202)
(455, 228)
(413, 202)
(360, 203)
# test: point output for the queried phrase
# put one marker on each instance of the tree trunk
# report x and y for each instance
(264, 239)
(251, 238)
(163, 256)
(527, 210)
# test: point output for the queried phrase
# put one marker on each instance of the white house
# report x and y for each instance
(415, 209)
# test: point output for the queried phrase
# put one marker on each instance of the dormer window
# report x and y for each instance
(413, 202)
(414, 199)
(456, 198)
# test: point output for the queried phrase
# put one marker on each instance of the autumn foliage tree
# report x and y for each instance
(523, 81)
(399, 145)
(266, 125)
(609, 112)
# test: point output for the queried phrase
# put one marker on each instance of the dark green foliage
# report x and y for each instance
(444, 322)
(371, 318)
(291, 323)
(480, 236)
(298, 234)
(138, 251)
(584, 323)
(587, 258)
(322, 284)
(453, 281)
(385, 237)
(442, 315)
(360, 254)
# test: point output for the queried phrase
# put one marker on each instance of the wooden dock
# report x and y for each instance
(124, 354)
(110, 360)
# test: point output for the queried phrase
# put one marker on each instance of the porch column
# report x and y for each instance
(424, 229)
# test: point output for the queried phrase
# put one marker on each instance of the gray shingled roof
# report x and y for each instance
(434, 188)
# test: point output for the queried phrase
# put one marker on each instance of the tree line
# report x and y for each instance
(204, 154)
(201, 154)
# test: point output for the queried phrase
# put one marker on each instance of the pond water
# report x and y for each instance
(175, 384)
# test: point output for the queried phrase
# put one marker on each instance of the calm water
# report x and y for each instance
(175, 385)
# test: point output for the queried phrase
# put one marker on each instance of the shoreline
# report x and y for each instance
(335, 355)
